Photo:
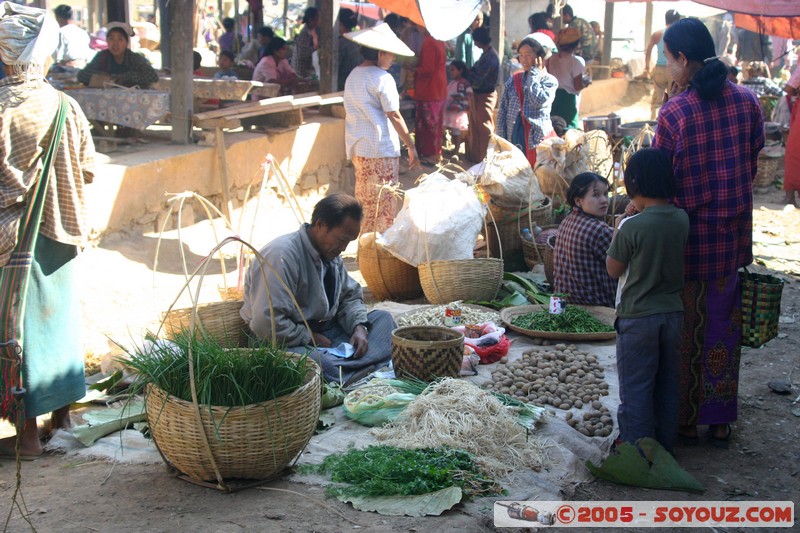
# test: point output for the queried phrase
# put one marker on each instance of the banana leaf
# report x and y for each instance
(106, 421)
(515, 298)
(434, 503)
(656, 470)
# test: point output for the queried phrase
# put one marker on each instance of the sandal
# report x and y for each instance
(721, 442)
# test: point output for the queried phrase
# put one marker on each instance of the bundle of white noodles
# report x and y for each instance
(458, 414)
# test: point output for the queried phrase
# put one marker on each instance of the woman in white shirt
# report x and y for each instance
(374, 126)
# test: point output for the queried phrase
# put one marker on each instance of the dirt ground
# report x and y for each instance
(123, 296)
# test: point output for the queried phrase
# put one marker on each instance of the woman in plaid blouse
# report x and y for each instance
(712, 132)
(579, 260)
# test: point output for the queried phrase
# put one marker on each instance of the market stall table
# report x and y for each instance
(133, 108)
(206, 88)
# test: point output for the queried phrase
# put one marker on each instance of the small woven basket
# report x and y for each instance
(427, 352)
(769, 170)
(252, 442)
(388, 277)
(761, 307)
(534, 252)
(219, 320)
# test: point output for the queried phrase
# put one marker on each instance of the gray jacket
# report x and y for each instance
(300, 267)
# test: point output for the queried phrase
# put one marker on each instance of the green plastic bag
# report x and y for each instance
(376, 403)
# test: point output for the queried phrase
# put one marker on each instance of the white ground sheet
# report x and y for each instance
(567, 449)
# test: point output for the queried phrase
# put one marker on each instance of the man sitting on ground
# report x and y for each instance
(308, 262)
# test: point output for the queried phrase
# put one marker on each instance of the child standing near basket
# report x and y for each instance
(457, 103)
(646, 254)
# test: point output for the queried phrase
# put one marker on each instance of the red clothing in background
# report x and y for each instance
(430, 78)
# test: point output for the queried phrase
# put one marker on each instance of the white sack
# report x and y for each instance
(507, 175)
(442, 213)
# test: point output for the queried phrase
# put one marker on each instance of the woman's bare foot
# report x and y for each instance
(29, 445)
(60, 418)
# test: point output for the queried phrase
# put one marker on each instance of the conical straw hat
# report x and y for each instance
(380, 37)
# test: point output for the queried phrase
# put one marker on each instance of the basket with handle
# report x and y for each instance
(761, 307)
(427, 352)
(388, 277)
(446, 281)
(503, 232)
(218, 443)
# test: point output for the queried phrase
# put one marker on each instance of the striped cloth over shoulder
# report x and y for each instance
(27, 110)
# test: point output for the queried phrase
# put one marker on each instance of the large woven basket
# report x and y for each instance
(462, 279)
(251, 442)
(507, 224)
(388, 277)
(761, 307)
(427, 352)
(219, 320)
(534, 252)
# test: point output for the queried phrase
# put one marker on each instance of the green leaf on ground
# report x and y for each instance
(657, 470)
(433, 503)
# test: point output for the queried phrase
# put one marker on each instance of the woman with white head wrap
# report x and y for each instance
(52, 371)
(28, 38)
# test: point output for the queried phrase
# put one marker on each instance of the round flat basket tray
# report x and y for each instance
(399, 319)
(606, 315)
(250, 442)
(427, 352)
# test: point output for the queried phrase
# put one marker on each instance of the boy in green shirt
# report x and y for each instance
(646, 255)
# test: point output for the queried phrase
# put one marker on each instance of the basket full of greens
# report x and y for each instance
(258, 407)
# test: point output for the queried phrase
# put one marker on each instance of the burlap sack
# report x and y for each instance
(507, 175)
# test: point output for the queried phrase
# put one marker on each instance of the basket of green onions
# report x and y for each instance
(258, 406)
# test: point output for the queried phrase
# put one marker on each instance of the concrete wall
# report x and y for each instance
(601, 95)
(130, 189)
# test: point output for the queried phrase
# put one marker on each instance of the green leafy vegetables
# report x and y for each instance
(392, 471)
(572, 320)
(224, 376)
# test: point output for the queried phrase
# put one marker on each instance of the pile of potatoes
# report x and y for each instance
(564, 378)
(594, 423)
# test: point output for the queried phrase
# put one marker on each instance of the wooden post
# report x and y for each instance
(497, 32)
(497, 28)
(164, 27)
(181, 101)
(608, 36)
(222, 162)
(329, 46)
(648, 26)
(286, 20)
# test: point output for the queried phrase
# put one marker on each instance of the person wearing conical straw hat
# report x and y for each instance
(374, 126)
(42, 252)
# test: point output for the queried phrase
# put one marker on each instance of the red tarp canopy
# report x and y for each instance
(769, 8)
(788, 27)
(770, 17)
(444, 19)
(367, 10)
